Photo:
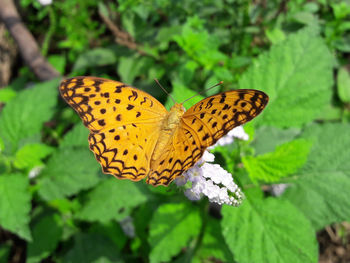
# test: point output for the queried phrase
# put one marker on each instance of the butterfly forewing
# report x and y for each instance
(124, 123)
(213, 117)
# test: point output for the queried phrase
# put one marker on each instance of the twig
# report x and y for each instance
(281, 9)
(8, 53)
(331, 234)
(26, 43)
(121, 37)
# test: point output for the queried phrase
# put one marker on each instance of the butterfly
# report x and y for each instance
(133, 136)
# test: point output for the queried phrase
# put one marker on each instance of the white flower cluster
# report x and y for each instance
(237, 132)
(212, 180)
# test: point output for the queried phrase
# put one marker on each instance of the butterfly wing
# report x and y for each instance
(124, 123)
(213, 117)
(201, 126)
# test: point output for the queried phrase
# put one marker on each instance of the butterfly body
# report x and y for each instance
(168, 128)
(133, 136)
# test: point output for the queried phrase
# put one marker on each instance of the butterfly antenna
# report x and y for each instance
(199, 93)
(156, 80)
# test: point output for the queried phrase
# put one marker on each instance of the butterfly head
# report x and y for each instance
(178, 108)
(176, 113)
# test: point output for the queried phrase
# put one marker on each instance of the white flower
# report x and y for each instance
(208, 157)
(127, 224)
(34, 172)
(45, 2)
(278, 189)
(212, 180)
(237, 132)
(192, 195)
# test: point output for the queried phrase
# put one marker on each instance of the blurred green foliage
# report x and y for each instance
(54, 196)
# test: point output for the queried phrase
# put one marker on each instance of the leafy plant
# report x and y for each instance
(54, 197)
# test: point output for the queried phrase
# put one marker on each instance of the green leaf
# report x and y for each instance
(78, 136)
(297, 76)
(284, 161)
(330, 113)
(131, 67)
(165, 35)
(95, 58)
(5, 250)
(199, 45)
(171, 229)
(68, 171)
(343, 85)
(112, 199)
(186, 72)
(322, 189)
(341, 10)
(7, 94)
(275, 35)
(269, 230)
(58, 62)
(112, 230)
(24, 115)
(15, 204)
(141, 219)
(267, 138)
(92, 248)
(30, 155)
(181, 93)
(2, 145)
(46, 236)
(213, 247)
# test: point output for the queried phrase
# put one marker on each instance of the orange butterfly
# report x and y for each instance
(133, 136)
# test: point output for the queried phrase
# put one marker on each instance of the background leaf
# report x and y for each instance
(172, 227)
(268, 230)
(112, 199)
(95, 57)
(6, 94)
(46, 235)
(67, 172)
(297, 76)
(34, 104)
(92, 248)
(76, 137)
(267, 138)
(31, 154)
(343, 85)
(213, 244)
(324, 181)
(15, 204)
(5, 250)
(284, 161)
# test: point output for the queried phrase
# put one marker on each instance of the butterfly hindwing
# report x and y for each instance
(180, 155)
